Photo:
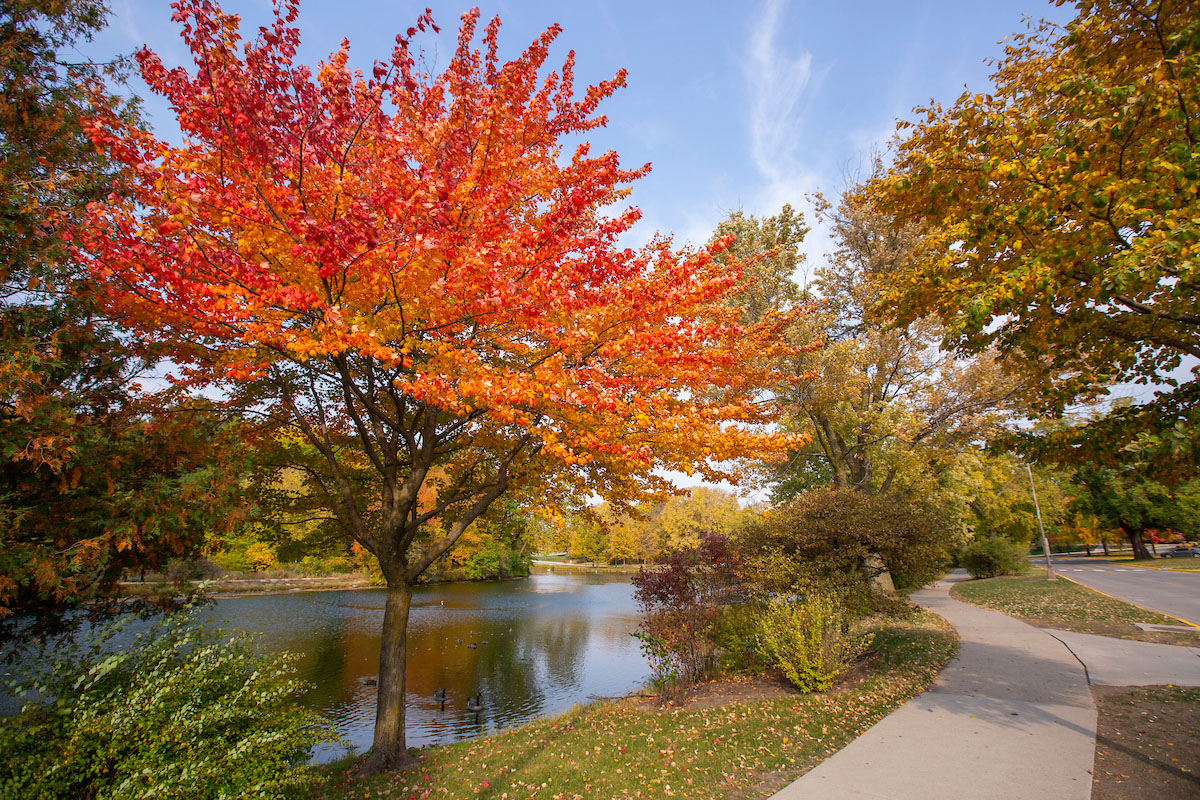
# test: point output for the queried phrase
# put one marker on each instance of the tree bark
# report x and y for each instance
(1140, 553)
(388, 750)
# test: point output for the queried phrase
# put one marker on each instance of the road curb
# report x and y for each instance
(1059, 574)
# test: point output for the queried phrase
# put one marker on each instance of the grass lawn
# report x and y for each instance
(1067, 606)
(736, 742)
(1147, 743)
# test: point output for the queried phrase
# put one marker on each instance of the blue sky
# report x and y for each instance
(736, 105)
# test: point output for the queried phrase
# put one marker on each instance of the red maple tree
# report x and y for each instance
(408, 272)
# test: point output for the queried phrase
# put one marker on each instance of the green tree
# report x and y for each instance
(885, 409)
(771, 249)
(97, 476)
(1186, 517)
(1125, 499)
(1060, 214)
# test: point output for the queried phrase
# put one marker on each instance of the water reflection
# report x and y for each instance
(541, 645)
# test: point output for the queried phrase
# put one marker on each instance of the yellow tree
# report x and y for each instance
(1060, 212)
(992, 494)
(622, 538)
(408, 271)
(703, 510)
(885, 406)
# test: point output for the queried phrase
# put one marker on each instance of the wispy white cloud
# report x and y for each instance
(779, 83)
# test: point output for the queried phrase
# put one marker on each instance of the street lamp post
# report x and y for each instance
(1042, 530)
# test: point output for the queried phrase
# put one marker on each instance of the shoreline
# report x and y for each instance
(224, 588)
(617, 569)
(220, 588)
(741, 735)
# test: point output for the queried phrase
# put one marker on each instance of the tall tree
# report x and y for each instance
(884, 405)
(96, 475)
(771, 246)
(1060, 212)
(686, 519)
(407, 270)
(1124, 499)
(990, 493)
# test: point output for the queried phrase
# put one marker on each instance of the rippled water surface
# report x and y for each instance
(543, 645)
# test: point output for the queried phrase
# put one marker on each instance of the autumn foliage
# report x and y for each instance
(409, 271)
(446, 245)
(98, 476)
(1059, 210)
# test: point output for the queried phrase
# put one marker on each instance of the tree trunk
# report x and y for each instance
(388, 750)
(1140, 553)
(1104, 544)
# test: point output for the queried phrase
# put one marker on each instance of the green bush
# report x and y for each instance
(520, 563)
(232, 561)
(993, 556)
(180, 712)
(735, 634)
(495, 561)
(838, 541)
(484, 564)
(809, 640)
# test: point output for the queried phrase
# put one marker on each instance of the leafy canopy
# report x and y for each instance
(97, 475)
(885, 407)
(410, 272)
(411, 263)
(1061, 211)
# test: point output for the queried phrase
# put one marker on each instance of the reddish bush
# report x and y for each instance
(681, 599)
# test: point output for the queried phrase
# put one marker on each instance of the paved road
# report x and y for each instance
(1174, 593)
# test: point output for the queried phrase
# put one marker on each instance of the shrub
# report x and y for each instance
(735, 634)
(992, 556)
(261, 557)
(485, 563)
(682, 601)
(520, 563)
(809, 640)
(838, 541)
(194, 569)
(180, 712)
(232, 561)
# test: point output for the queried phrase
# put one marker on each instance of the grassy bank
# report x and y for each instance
(1147, 743)
(255, 584)
(1068, 606)
(742, 738)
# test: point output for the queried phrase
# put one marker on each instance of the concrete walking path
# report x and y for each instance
(1122, 662)
(1011, 717)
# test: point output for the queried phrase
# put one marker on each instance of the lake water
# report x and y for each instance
(543, 645)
